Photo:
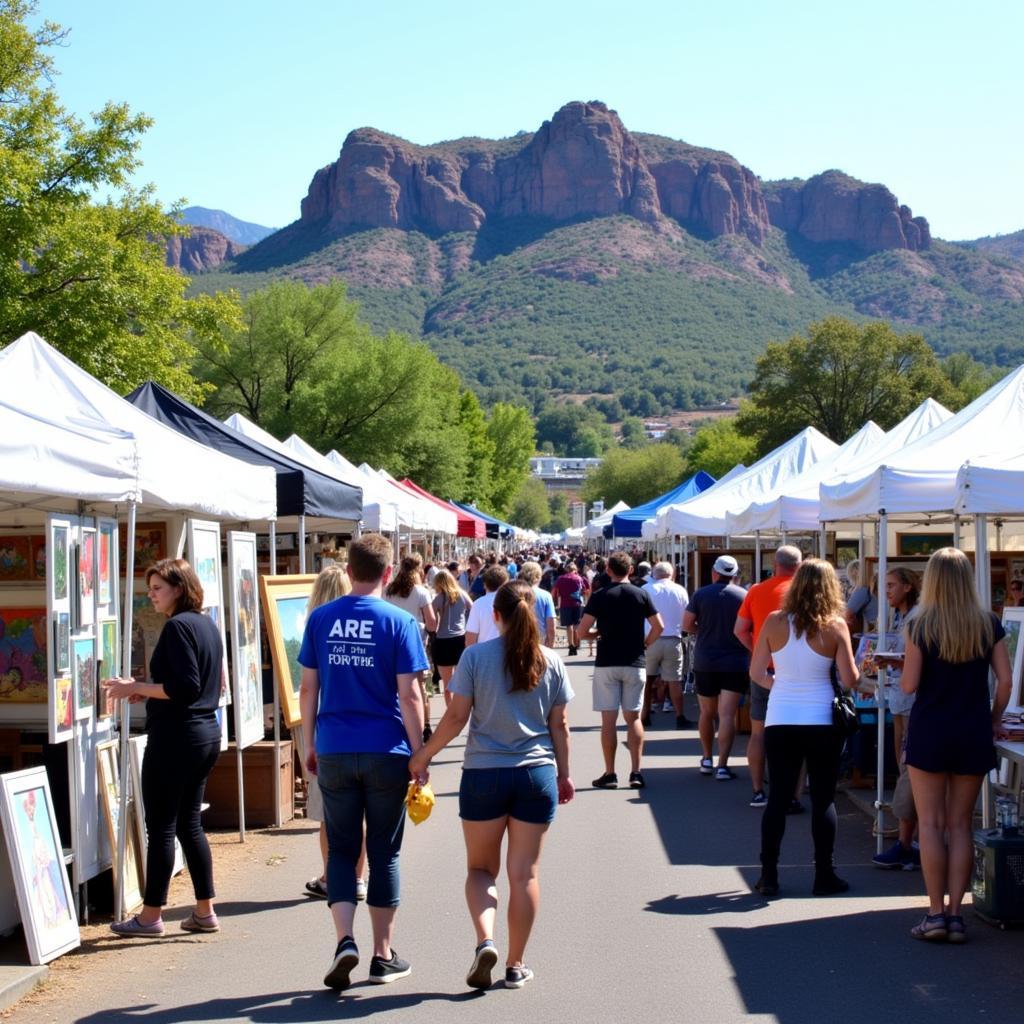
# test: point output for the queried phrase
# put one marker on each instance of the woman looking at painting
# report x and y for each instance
(182, 747)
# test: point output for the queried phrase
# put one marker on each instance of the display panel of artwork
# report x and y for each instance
(150, 545)
(83, 666)
(1013, 623)
(204, 556)
(41, 881)
(245, 638)
(23, 665)
(285, 607)
(110, 803)
(86, 593)
(147, 625)
(15, 558)
(922, 543)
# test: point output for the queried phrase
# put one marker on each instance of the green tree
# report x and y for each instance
(89, 276)
(529, 506)
(633, 433)
(969, 377)
(558, 514)
(719, 446)
(837, 378)
(510, 430)
(575, 431)
(634, 476)
(480, 450)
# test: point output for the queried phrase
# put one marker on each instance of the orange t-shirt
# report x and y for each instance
(762, 599)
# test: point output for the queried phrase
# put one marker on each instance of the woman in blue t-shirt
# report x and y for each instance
(513, 693)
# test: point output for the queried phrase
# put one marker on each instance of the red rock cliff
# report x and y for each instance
(202, 249)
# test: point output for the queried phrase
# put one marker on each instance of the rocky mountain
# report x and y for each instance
(1010, 246)
(241, 232)
(587, 260)
(202, 249)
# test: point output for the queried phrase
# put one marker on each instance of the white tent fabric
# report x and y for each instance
(170, 470)
(704, 515)
(992, 484)
(789, 507)
(595, 528)
(375, 490)
(427, 514)
(649, 527)
(922, 477)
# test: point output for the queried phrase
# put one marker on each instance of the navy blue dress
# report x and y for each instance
(951, 721)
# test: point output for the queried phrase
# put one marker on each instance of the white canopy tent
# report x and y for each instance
(428, 516)
(595, 528)
(992, 485)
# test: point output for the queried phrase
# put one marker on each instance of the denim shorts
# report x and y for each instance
(528, 793)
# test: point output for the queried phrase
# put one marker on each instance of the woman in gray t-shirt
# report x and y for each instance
(513, 693)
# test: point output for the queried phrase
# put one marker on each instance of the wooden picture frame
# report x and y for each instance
(1013, 623)
(45, 898)
(110, 805)
(246, 660)
(285, 607)
(922, 544)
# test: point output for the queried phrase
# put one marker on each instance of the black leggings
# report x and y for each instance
(786, 748)
(174, 773)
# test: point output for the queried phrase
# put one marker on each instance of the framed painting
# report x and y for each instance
(106, 574)
(147, 625)
(1013, 623)
(110, 804)
(246, 661)
(45, 899)
(23, 656)
(108, 663)
(150, 546)
(846, 552)
(204, 554)
(285, 607)
(15, 558)
(61, 642)
(83, 666)
(86, 595)
(922, 543)
(60, 531)
(62, 710)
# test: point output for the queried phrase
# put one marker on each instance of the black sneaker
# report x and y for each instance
(483, 963)
(829, 885)
(759, 799)
(767, 886)
(636, 780)
(682, 722)
(517, 977)
(346, 957)
(607, 781)
(383, 972)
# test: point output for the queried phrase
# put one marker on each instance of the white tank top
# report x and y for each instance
(802, 692)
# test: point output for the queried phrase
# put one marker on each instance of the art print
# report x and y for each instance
(106, 582)
(150, 545)
(15, 558)
(83, 664)
(922, 544)
(62, 710)
(59, 574)
(1013, 623)
(285, 608)
(87, 577)
(108, 667)
(61, 641)
(147, 625)
(136, 755)
(45, 899)
(110, 801)
(245, 638)
(23, 668)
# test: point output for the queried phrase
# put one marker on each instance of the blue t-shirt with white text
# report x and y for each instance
(359, 646)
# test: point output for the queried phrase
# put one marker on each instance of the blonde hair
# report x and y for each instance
(332, 583)
(530, 572)
(444, 583)
(950, 616)
(852, 571)
(814, 598)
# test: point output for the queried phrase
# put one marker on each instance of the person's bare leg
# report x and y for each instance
(483, 862)
(645, 711)
(675, 691)
(634, 738)
(446, 672)
(323, 850)
(755, 755)
(960, 803)
(522, 864)
(728, 704)
(382, 920)
(608, 739)
(344, 916)
(361, 862)
(706, 726)
(930, 800)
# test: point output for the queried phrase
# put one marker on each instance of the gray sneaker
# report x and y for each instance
(346, 957)
(517, 977)
(485, 958)
(383, 972)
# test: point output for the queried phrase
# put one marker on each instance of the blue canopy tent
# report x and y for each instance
(629, 523)
(495, 527)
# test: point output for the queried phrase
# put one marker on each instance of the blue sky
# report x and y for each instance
(250, 98)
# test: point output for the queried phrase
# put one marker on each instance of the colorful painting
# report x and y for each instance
(245, 639)
(38, 557)
(83, 664)
(105, 584)
(109, 664)
(45, 900)
(204, 551)
(23, 675)
(147, 625)
(922, 543)
(285, 606)
(1013, 623)
(62, 710)
(61, 641)
(150, 546)
(15, 558)
(110, 801)
(60, 563)
(87, 577)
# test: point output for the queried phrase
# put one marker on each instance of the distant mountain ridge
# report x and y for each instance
(241, 232)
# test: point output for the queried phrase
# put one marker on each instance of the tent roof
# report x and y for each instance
(501, 528)
(595, 528)
(430, 514)
(704, 516)
(776, 513)
(300, 490)
(992, 484)
(922, 476)
(469, 525)
(629, 523)
(144, 459)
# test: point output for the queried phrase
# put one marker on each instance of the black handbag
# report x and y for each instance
(844, 712)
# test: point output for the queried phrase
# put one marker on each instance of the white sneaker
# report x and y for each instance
(667, 706)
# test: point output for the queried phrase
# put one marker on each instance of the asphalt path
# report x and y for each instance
(646, 914)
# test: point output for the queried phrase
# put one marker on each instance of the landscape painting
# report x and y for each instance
(83, 663)
(23, 675)
(285, 607)
(245, 638)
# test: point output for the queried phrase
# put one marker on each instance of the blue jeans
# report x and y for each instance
(354, 786)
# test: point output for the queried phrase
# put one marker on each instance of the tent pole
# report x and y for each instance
(883, 614)
(302, 543)
(273, 548)
(757, 556)
(982, 571)
(276, 696)
(125, 719)
(823, 543)
(860, 552)
(956, 531)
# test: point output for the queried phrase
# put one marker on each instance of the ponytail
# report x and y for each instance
(524, 660)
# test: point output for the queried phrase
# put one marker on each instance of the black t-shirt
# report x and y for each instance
(620, 611)
(188, 662)
(600, 582)
(717, 649)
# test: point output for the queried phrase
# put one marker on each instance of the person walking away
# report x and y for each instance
(570, 592)
(362, 718)
(902, 590)
(513, 692)
(619, 613)
(762, 599)
(544, 607)
(720, 663)
(183, 744)
(952, 643)
(480, 625)
(664, 661)
(803, 640)
(451, 606)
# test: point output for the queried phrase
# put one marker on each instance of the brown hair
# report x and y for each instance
(494, 576)
(444, 583)
(524, 660)
(330, 584)
(176, 572)
(619, 564)
(368, 557)
(908, 578)
(410, 573)
(814, 599)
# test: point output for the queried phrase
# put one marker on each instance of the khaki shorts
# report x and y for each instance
(665, 659)
(619, 686)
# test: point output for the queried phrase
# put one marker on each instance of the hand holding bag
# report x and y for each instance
(844, 712)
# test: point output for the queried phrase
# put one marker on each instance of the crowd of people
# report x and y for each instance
(380, 639)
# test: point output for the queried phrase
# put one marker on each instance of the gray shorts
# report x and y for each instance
(619, 686)
(758, 701)
(665, 659)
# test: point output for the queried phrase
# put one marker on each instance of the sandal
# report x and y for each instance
(195, 923)
(932, 928)
(956, 930)
(134, 928)
(317, 887)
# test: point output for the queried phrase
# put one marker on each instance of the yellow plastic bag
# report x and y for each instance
(419, 802)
